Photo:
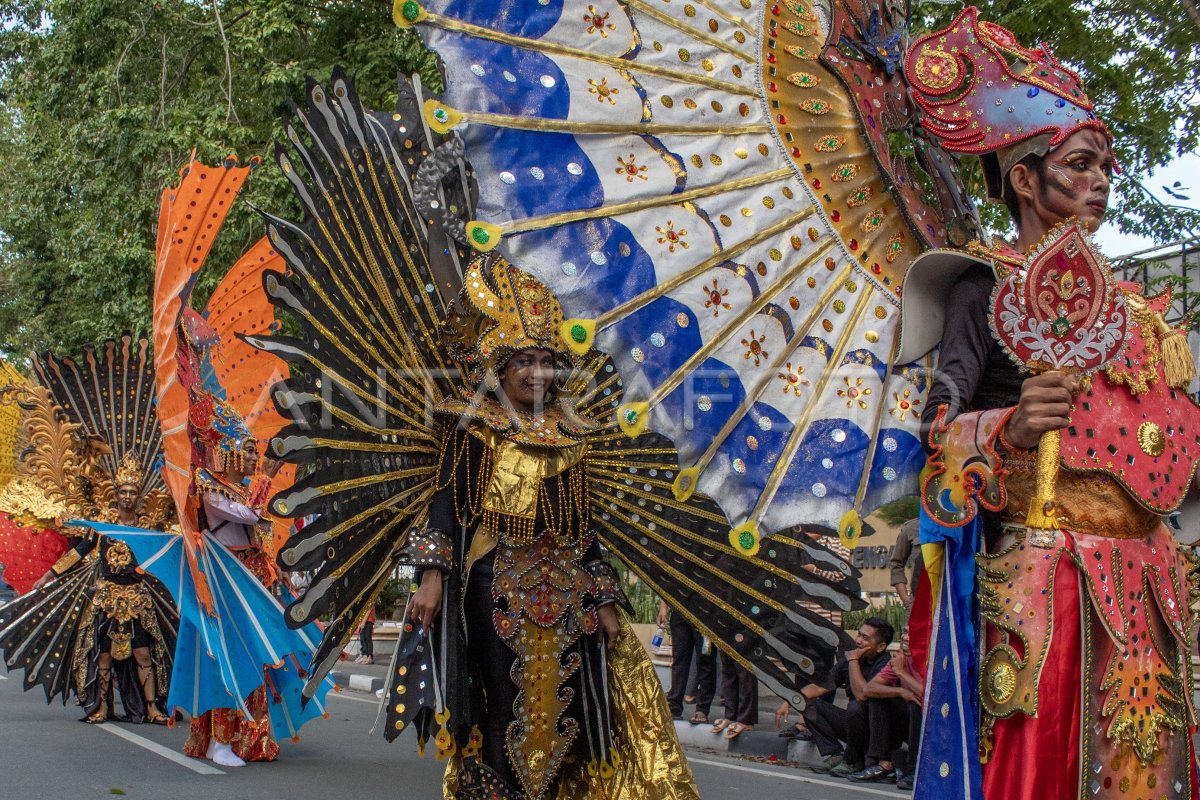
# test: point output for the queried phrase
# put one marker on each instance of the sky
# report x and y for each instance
(1186, 170)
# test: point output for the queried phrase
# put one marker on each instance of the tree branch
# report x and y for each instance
(230, 113)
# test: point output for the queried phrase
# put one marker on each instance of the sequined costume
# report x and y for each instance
(239, 527)
(1083, 679)
(101, 626)
(402, 333)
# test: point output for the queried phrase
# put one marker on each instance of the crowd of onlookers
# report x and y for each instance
(864, 720)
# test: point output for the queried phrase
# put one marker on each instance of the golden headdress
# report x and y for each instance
(130, 471)
(501, 311)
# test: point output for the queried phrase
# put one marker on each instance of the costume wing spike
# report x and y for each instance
(716, 200)
(39, 628)
(108, 392)
(762, 607)
(368, 270)
(190, 216)
(239, 307)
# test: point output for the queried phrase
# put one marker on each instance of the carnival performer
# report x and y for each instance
(232, 494)
(452, 424)
(511, 500)
(126, 624)
(1085, 679)
(94, 621)
(239, 669)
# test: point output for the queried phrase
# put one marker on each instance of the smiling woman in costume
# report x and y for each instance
(509, 550)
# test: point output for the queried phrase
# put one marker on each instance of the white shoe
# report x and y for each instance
(223, 754)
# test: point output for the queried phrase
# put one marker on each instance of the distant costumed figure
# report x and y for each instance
(453, 421)
(1061, 436)
(232, 495)
(94, 621)
(239, 670)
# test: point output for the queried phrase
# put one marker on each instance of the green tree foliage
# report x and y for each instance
(901, 511)
(101, 103)
(1140, 62)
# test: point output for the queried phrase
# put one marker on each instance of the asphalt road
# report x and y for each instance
(45, 752)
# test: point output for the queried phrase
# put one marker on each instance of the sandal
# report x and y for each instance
(735, 730)
(699, 718)
(720, 725)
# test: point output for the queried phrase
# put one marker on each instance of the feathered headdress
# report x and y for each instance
(219, 430)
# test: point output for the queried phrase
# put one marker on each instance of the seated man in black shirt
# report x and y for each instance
(842, 734)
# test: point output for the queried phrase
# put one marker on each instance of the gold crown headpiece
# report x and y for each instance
(502, 310)
(130, 471)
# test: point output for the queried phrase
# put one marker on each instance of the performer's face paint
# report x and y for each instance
(127, 497)
(526, 378)
(1074, 181)
(250, 457)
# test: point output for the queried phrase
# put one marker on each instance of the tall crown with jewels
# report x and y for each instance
(501, 311)
(130, 472)
(983, 91)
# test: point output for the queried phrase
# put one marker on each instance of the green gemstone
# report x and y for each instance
(579, 333)
(746, 540)
(411, 10)
(440, 115)
(630, 416)
(480, 236)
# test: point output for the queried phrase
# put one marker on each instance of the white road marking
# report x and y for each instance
(344, 696)
(790, 775)
(3, 677)
(194, 764)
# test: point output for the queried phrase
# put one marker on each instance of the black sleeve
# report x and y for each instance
(966, 343)
(452, 481)
(87, 544)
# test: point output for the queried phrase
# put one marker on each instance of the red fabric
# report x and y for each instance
(1104, 414)
(27, 553)
(920, 624)
(250, 739)
(1038, 758)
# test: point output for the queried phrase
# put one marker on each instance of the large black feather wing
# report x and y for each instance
(367, 269)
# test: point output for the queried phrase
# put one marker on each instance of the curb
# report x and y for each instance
(357, 683)
(750, 743)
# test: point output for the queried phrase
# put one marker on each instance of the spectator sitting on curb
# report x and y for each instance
(841, 734)
(894, 698)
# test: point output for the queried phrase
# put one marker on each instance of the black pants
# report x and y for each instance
(493, 658)
(837, 731)
(893, 722)
(366, 642)
(686, 644)
(740, 690)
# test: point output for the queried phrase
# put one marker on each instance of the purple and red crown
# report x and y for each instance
(982, 90)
